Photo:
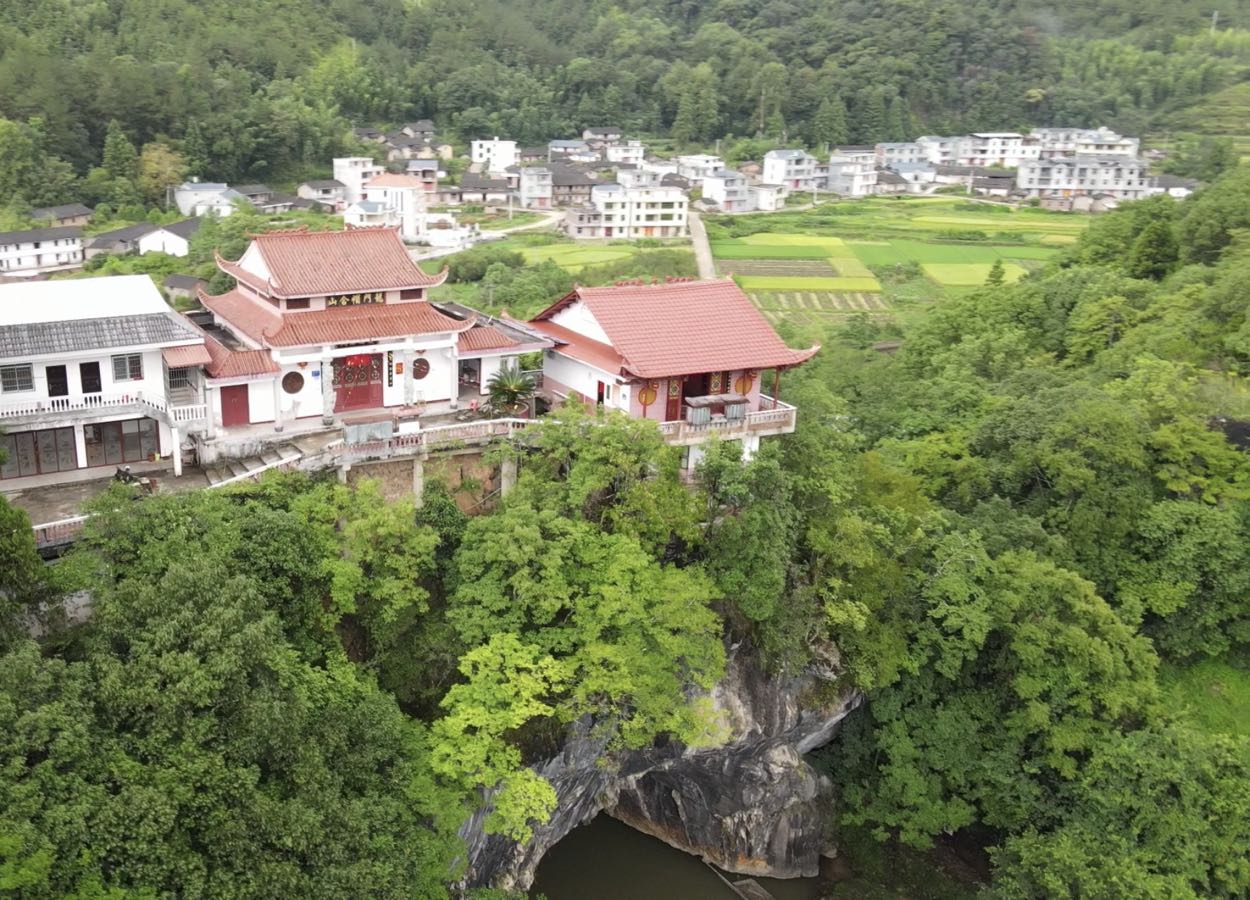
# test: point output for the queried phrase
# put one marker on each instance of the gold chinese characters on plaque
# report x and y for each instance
(364, 299)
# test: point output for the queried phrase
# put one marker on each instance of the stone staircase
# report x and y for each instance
(231, 470)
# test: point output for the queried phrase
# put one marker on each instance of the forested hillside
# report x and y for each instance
(269, 89)
(1008, 528)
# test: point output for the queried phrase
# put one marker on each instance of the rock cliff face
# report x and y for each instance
(751, 805)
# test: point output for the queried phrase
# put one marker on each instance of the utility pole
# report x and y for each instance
(1215, 18)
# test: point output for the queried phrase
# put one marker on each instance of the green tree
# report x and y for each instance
(1154, 253)
(829, 125)
(996, 274)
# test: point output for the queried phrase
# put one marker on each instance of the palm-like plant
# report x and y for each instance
(510, 389)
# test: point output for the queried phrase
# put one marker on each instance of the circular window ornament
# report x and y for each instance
(292, 382)
(648, 395)
(420, 368)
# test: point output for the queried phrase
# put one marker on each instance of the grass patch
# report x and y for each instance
(969, 274)
(738, 250)
(800, 283)
(575, 257)
(1213, 693)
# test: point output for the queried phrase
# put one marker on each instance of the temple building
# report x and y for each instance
(322, 324)
(696, 357)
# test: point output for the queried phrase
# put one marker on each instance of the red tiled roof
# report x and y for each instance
(680, 328)
(307, 263)
(581, 348)
(394, 179)
(184, 357)
(270, 328)
(226, 363)
(485, 337)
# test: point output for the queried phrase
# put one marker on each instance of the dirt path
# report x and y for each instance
(702, 250)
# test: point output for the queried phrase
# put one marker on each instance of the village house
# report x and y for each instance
(182, 287)
(630, 153)
(570, 185)
(692, 356)
(404, 198)
(696, 166)
(796, 169)
(534, 187)
(1006, 149)
(729, 191)
(482, 190)
(891, 154)
(353, 172)
(890, 182)
(1101, 141)
(770, 197)
(174, 239)
(853, 171)
(1115, 176)
(202, 198)
(322, 325)
(329, 192)
(493, 156)
(94, 372)
(635, 206)
(942, 150)
(69, 214)
(603, 136)
(917, 175)
(118, 241)
(39, 250)
(428, 172)
(422, 128)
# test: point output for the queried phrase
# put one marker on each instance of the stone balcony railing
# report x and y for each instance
(89, 404)
(773, 417)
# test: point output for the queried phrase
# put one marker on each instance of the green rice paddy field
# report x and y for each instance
(829, 262)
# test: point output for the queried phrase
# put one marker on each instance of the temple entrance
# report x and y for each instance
(234, 406)
(357, 382)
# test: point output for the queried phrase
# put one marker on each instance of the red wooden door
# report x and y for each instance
(672, 411)
(358, 382)
(234, 409)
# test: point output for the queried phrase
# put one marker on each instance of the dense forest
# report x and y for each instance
(270, 89)
(1008, 528)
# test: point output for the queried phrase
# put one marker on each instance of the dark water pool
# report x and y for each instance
(606, 860)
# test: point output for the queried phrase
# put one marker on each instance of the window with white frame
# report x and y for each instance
(128, 367)
(14, 379)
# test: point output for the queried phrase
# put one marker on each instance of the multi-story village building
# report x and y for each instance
(729, 191)
(853, 171)
(39, 250)
(570, 185)
(904, 153)
(637, 205)
(493, 156)
(1101, 141)
(203, 198)
(534, 187)
(628, 152)
(688, 355)
(94, 372)
(353, 172)
(796, 169)
(1116, 176)
(1006, 149)
(329, 192)
(695, 166)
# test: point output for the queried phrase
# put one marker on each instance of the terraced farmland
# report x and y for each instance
(823, 264)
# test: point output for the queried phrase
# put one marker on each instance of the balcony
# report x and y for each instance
(773, 417)
(86, 406)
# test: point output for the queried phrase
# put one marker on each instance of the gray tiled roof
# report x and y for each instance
(39, 338)
(66, 211)
(41, 234)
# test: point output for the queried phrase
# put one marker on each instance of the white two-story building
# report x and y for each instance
(1116, 176)
(853, 171)
(94, 373)
(493, 156)
(25, 253)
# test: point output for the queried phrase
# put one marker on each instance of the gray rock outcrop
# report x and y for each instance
(751, 805)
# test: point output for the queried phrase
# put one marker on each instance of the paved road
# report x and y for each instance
(702, 251)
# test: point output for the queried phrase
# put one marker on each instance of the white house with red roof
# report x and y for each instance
(693, 356)
(325, 324)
